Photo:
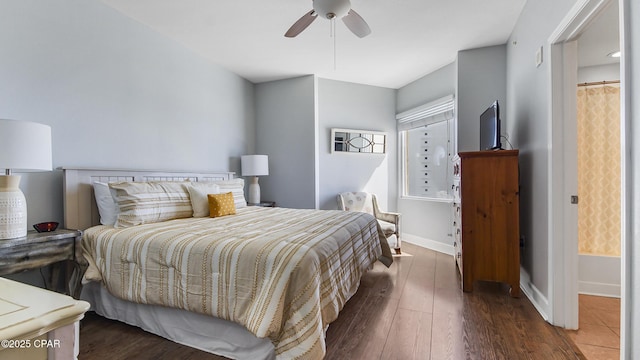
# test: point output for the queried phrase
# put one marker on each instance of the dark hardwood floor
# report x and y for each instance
(413, 310)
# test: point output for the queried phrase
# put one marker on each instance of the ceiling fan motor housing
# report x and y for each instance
(330, 9)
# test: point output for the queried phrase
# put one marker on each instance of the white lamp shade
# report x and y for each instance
(255, 165)
(25, 145)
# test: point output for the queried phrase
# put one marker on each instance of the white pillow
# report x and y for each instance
(236, 186)
(198, 192)
(107, 206)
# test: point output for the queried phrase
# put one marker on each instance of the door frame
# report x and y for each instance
(563, 216)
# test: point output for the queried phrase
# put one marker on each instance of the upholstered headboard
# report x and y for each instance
(80, 210)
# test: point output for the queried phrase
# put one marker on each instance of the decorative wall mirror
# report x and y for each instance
(358, 141)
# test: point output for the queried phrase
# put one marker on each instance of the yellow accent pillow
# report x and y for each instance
(221, 204)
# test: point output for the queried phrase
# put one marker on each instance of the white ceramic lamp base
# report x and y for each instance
(13, 208)
(254, 191)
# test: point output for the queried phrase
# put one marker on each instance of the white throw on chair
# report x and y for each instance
(367, 202)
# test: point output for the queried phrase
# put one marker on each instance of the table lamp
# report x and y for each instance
(24, 146)
(254, 165)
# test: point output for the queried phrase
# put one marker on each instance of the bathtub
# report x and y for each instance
(599, 275)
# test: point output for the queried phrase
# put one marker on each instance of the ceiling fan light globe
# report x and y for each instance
(329, 9)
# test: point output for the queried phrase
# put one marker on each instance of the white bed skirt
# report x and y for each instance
(206, 333)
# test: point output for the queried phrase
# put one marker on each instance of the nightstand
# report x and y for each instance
(37, 323)
(264, 204)
(60, 248)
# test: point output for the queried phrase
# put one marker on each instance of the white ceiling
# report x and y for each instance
(410, 38)
(601, 38)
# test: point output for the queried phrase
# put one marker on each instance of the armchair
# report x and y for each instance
(368, 203)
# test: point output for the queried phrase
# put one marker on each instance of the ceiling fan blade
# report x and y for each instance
(356, 24)
(301, 24)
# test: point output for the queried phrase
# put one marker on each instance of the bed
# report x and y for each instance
(261, 283)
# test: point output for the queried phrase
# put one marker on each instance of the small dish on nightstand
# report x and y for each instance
(46, 226)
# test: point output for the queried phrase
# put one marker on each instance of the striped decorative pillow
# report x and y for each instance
(150, 202)
(235, 186)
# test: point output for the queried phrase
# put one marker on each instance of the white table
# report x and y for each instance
(38, 324)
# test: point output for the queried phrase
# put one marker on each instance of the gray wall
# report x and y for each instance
(294, 121)
(432, 86)
(481, 80)
(361, 107)
(116, 94)
(286, 131)
(528, 89)
(426, 221)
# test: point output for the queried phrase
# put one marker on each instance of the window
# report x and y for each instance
(426, 137)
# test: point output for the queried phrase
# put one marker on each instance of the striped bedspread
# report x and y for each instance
(282, 273)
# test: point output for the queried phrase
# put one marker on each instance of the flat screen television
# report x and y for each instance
(490, 128)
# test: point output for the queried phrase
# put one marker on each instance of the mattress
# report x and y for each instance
(282, 274)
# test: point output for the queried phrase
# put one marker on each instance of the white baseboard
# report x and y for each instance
(428, 243)
(598, 289)
(539, 301)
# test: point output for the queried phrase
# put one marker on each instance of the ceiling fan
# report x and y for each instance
(331, 9)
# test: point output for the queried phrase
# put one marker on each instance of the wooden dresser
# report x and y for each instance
(486, 220)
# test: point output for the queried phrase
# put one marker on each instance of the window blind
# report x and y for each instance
(430, 113)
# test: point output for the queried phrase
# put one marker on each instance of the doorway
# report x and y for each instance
(565, 59)
(599, 179)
